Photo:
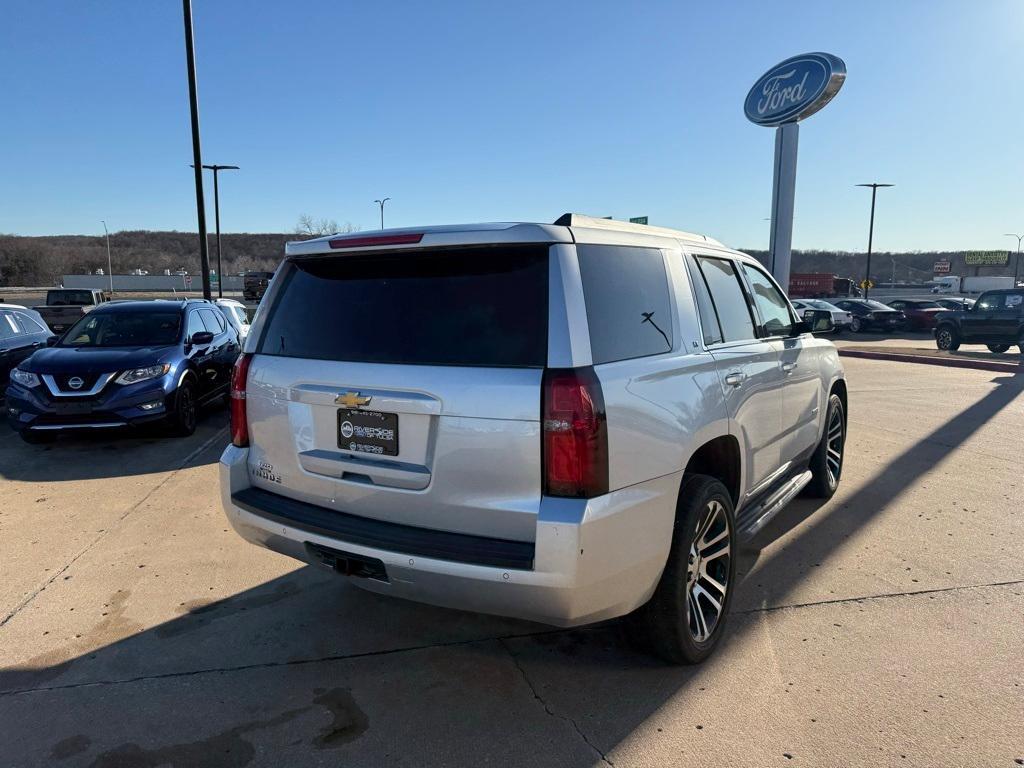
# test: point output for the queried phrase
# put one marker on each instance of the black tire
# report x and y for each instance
(947, 338)
(182, 422)
(998, 348)
(37, 438)
(666, 625)
(825, 465)
(856, 326)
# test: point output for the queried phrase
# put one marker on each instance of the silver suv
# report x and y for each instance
(564, 423)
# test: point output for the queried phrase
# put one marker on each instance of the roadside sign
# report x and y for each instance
(986, 258)
(942, 268)
(866, 284)
(638, 220)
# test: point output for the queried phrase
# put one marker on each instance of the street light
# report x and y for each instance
(110, 269)
(1016, 264)
(381, 204)
(216, 210)
(871, 232)
(197, 154)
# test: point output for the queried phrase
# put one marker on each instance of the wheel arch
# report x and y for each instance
(719, 458)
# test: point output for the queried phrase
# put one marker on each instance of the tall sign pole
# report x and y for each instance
(783, 200)
(783, 96)
(197, 155)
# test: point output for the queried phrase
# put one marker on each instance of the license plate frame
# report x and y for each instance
(72, 409)
(368, 432)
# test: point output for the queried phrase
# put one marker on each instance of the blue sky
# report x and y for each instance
(513, 111)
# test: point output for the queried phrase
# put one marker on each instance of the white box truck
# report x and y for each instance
(975, 284)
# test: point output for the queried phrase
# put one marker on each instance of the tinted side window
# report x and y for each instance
(28, 324)
(771, 304)
(213, 323)
(705, 307)
(195, 325)
(730, 301)
(8, 328)
(626, 292)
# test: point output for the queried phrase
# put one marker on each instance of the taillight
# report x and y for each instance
(575, 434)
(239, 423)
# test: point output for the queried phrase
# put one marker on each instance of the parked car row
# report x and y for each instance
(996, 319)
(123, 363)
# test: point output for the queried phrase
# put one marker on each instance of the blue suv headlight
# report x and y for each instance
(136, 375)
(24, 378)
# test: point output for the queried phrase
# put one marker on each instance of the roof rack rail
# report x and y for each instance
(580, 220)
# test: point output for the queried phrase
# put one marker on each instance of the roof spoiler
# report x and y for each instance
(593, 222)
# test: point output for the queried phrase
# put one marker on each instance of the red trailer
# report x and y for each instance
(807, 285)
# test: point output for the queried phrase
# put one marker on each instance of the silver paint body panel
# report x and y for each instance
(470, 442)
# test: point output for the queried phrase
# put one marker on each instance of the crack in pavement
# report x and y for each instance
(500, 639)
(184, 463)
(552, 713)
(277, 664)
(881, 596)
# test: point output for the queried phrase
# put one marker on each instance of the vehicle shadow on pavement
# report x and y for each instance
(114, 453)
(307, 664)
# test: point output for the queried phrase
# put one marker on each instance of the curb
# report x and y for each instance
(948, 362)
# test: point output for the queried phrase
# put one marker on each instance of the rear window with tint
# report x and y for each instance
(465, 307)
(628, 305)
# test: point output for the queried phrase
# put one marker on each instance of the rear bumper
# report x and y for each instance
(591, 559)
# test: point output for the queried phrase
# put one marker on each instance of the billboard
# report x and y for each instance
(941, 267)
(986, 258)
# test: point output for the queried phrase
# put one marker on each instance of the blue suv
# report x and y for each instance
(125, 364)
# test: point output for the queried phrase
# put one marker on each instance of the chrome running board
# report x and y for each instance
(751, 520)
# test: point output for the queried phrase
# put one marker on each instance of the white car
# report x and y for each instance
(564, 423)
(234, 312)
(841, 319)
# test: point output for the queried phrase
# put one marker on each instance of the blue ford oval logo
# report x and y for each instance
(75, 383)
(794, 89)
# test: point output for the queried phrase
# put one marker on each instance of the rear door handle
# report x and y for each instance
(735, 378)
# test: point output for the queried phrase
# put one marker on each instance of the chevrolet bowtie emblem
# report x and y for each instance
(352, 400)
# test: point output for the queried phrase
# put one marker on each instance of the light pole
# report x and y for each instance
(110, 269)
(197, 154)
(871, 233)
(1016, 264)
(381, 204)
(216, 213)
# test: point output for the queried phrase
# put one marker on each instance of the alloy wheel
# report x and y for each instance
(188, 408)
(834, 448)
(944, 338)
(707, 572)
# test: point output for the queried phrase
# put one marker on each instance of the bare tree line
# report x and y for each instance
(37, 261)
(40, 261)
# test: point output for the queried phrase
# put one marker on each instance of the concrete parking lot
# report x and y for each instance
(885, 627)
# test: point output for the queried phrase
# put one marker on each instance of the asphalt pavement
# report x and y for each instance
(883, 628)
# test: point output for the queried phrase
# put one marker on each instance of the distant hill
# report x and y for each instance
(42, 260)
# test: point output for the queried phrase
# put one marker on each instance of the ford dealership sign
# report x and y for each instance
(795, 89)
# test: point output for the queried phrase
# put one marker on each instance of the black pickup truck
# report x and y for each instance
(996, 320)
(64, 306)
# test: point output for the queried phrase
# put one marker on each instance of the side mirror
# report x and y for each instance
(52, 340)
(201, 338)
(818, 321)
